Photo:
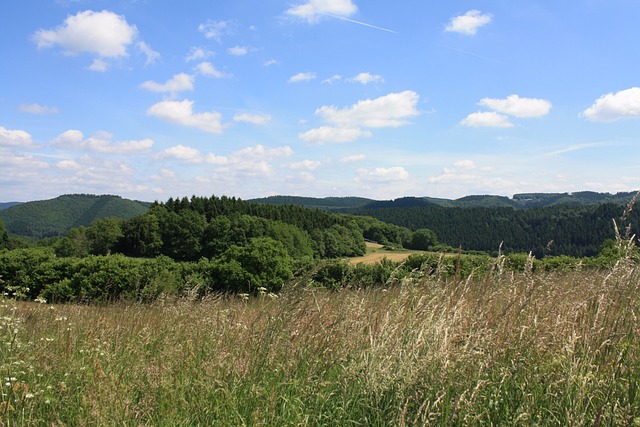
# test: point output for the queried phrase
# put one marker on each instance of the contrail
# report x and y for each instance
(359, 22)
(466, 52)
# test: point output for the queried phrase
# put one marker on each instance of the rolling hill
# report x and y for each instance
(54, 217)
(518, 201)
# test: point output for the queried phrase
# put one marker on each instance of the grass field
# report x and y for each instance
(507, 349)
(376, 252)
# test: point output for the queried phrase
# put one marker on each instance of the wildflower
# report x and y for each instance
(40, 300)
(28, 396)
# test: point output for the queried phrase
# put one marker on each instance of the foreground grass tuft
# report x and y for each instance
(506, 349)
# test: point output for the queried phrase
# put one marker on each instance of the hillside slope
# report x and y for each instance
(54, 217)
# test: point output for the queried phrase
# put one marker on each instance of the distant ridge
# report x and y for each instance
(518, 201)
(55, 217)
(5, 205)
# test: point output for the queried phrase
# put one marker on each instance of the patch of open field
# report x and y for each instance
(376, 253)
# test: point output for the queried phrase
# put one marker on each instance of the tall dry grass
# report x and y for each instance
(507, 349)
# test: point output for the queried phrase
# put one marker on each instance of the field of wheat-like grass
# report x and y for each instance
(507, 349)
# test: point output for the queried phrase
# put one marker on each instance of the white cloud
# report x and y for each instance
(249, 161)
(256, 119)
(99, 65)
(615, 106)
(353, 158)
(313, 9)
(197, 53)
(366, 78)
(68, 138)
(486, 119)
(270, 62)
(105, 34)
(68, 165)
(152, 55)
(332, 79)
(15, 138)
(469, 23)
(182, 152)
(464, 164)
(518, 107)
(181, 112)
(37, 109)
(325, 134)
(391, 110)
(215, 29)
(101, 143)
(306, 164)
(383, 175)
(302, 77)
(346, 124)
(207, 69)
(238, 50)
(178, 83)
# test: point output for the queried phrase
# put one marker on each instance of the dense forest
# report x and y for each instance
(216, 243)
(555, 230)
(55, 217)
(518, 201)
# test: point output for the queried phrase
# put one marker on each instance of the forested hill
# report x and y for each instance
(55, 217)
(518, 201)
(576, 230)
(325, 203)
(6, 205)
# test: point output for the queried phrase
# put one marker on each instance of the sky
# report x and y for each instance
(151, 99)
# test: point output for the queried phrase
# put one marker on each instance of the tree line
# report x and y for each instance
(576, 231)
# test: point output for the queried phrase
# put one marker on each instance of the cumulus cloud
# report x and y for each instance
(346, 124)
(207, 69)
(68, 165)
(518, 107)
(181, 112)
(178, 83)
(104, 34)
(197, 53)
(486, 119)
(215, 29)
(302, 77)
(306, 164)
(312, 10)
(101, 143)
(238, 50)
(15, 138)
(250, 161)
(332, 79)
(325, 134)
(469, 23)
(99, 65)
(256, 119)
(68, 138)
(37, 109)
(383, 175)
(391, 110)
(152, 55)
(366, 78)
(615, 106)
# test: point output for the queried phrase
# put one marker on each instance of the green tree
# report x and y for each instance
(263, 262)
(141, 236)
(103, 234)
(423, 239)
(4, 236)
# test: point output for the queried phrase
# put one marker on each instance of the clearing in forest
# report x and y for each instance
(376, 252)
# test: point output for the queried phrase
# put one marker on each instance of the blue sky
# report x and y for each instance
(149, 99)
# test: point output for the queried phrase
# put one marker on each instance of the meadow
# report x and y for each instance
(506, 348)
